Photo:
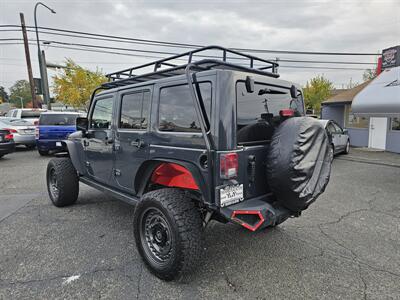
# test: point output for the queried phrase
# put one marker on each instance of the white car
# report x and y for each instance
(22, 130)
(30, 114)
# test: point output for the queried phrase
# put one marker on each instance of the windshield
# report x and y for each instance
(58, 119)
(264, 99)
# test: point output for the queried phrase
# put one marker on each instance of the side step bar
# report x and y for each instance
(132, 200)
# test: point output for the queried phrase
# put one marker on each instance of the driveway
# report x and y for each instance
(346, 245)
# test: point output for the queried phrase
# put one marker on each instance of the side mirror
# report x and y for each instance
(82, 124)
(293, 92)
(249, 84)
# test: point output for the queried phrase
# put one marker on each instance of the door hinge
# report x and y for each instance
(117, 172)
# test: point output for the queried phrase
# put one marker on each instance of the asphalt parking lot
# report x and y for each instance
(347, 245)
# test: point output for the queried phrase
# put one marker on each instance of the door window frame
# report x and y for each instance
(109, 96)
(136, 90)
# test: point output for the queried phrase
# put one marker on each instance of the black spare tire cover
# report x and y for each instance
(299, 162)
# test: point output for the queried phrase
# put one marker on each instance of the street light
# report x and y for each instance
(42, 69)
(22, 102)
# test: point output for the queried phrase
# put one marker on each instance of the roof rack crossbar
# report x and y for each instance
(209, 62)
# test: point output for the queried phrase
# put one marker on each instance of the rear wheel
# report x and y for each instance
(43, 152)
(62, 182)
(168, 233)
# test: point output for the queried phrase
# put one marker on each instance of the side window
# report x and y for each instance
(337, 128)
(134, 110)
(176, 109)
(331, 128)
(15, 113)
(102, 114)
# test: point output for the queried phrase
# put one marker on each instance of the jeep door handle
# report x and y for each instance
(137, 143)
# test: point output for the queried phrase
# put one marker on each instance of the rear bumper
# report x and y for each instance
(24, 139)
(6, 148)
(256, 213)
(47, 145)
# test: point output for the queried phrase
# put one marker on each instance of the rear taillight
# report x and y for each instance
(36, 132)
(12, 130)
(229, 165)
(286, 112)
(36, 123)
(9, 137)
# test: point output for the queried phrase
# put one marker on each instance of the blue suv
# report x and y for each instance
(54, 127)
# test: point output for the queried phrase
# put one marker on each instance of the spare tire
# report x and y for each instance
(299, 162)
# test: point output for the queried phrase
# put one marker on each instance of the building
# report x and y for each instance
(371, 111)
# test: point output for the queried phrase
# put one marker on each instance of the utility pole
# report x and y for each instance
(28, 60)
(45, 81)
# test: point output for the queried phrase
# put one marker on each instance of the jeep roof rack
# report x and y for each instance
(247, 64)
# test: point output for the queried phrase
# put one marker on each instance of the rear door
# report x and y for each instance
(131, 138)
(98, 145)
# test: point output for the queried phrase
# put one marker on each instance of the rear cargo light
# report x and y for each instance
(228, 165)
(286, 112)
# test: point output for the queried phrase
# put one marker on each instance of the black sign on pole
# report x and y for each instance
(391, 57)
(38, 86)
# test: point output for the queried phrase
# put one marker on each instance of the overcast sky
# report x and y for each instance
(305, 25)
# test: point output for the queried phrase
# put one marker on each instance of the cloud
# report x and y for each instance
(346, 25)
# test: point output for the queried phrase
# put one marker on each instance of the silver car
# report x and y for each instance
(22, 130)
(339, 137)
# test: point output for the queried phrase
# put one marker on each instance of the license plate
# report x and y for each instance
(58, 144)
(231, 194)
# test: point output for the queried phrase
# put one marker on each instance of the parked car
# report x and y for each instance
(22, 130)
(30, 114)
(187, 144)
(6, 142)
(52, 129)
(340, 140)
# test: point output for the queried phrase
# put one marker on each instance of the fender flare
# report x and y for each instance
(76, 154)
(143, 176)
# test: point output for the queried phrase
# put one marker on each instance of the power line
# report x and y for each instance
(159, 57)
(197, 46)
(173, 53)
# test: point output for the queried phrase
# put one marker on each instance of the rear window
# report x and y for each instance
(58, 119)
(15, 122)
(264, 99)
(30, 113)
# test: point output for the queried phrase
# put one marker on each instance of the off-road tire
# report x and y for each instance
(43, 152)
(185, 232)
(62, 182)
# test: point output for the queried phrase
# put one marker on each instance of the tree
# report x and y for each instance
(74, 85)
(3, 95)
(21, 91)
(369, 74)
(317, 90)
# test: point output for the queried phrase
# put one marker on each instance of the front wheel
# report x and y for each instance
(62, 182)
(168, 233)
(347, 148)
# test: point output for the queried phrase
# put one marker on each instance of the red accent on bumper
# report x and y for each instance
(248, 212)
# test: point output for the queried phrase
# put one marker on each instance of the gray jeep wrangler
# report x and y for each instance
(188, 143)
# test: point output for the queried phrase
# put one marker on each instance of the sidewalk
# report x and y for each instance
(373, 157)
